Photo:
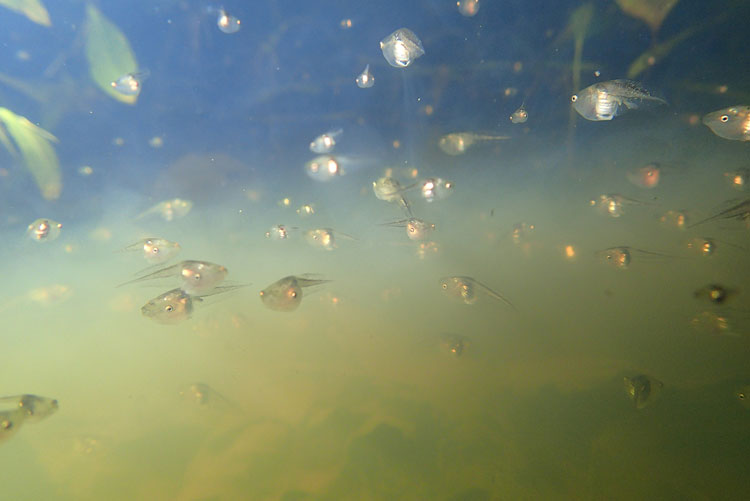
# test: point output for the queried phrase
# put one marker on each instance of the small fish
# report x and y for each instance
(436, 188)
(196, 277)
(286, 294)
(467, 289)
(468, 8)
(401, 48)
(325, 143)
(169, 209)
(519, 116)
(715, 293)
(155, 250)
(365, 80)
(129, 84)
(33, 407)
(606, 100)
(457, 143)
(642, 389)
(323, 168)
(44, 230)
(416, 229)
(731, 123)
(227, 23)
(646, 177)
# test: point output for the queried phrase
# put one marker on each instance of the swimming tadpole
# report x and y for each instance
(731, 123)
(642, 389)
(468, 290)
(401, 48)
(456, 143)
(176, 306)
(195, 276)
(286, 294)
(154, 250)
(365, 80)
(606, 100)
(44, 230)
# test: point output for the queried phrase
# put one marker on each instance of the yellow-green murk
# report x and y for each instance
(35, 145)
(32, 9)
(109, 54)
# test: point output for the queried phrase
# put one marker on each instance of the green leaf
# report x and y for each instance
(109, 54)
(36, 149)
(33, 9)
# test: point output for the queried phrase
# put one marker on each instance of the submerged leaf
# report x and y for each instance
(657, 53)
(109, 54)
(652, 12)
(33, 9)
(36, 149)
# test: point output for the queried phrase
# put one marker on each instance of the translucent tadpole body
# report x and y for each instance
(436, 188)
(286, 294)
(325, 143)
(612, 204)
(365, 80)
(519, 116)
(323, 168)
(130, 84)
(642, 389)
(44, 230)
(646, 177)
(738, 179)
(416, 229)
(401, 48)
(731, 123)
(227, 23)
(606, 100)
(620, 257)
(176, 306)
(456, 143)
(196, 277)
(468, 290)
(279, 232)
(155, 250)
(168, 209)
(33, 408)
(468, 8)
(323, 238)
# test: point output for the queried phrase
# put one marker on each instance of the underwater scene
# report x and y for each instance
(342, 250)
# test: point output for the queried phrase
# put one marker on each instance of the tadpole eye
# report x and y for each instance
(573, 98)
(169, 308)
(155, 250)
(724, 118)
(445, 286)
(741, 396)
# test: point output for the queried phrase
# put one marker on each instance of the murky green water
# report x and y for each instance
(381, 385)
